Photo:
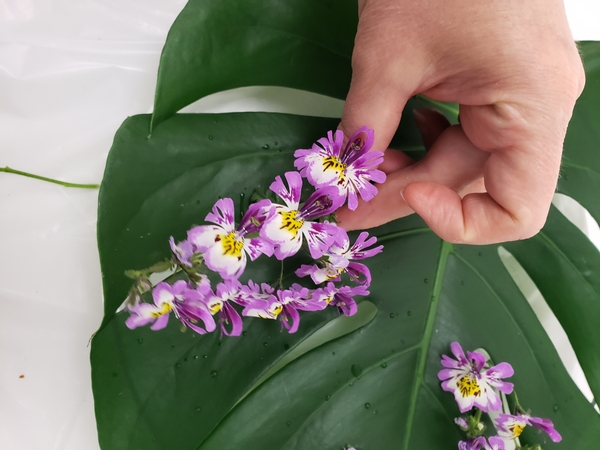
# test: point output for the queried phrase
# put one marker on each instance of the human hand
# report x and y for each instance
(515, 71)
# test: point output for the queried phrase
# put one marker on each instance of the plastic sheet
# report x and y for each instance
(70, 72)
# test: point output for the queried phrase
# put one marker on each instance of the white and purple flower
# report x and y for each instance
(291, 223)
(224, 246)
(341, 297)
(181, 299)
(478, 443)
(183, 251)
(338, 260)
(351, 170)
(294, 299)
(511, 427)
(219, 302)
(470, 383)
(259, 301)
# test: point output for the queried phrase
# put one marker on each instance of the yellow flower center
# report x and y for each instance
(276, 309)
(215, 307)
(332, 274)
(516, 429)
(231, 245)
(468, 386)
(165, 309)
(290, 223)
(333, 163)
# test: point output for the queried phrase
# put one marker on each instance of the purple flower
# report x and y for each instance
(184, 301)
(350, 170)
(286, 228)
(511, 427)
(462, 423)
(259, 301)
(471, 385)
(471, 444)
(341, 297)
(495, 443)
(224, 246)
(338, 261)
(182, 251)
(294, 299)
(220, 302)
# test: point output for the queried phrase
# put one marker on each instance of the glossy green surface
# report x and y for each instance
(156, 390)
(218, 45)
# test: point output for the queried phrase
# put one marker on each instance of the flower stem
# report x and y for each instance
(518, 408)
(49, 180)
(281, 276)
(478, 415)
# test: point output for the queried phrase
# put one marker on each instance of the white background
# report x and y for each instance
(70, 72)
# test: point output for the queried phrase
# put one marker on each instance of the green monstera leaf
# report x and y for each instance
(214, 46)
(376, 385)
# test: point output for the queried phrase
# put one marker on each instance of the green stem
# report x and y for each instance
(518, 408)
(281, 276)
(478, 415)
(49, 180)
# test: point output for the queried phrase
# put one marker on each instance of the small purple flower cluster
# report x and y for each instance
(476, 385)
(278, 229)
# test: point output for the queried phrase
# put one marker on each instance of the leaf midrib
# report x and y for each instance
(445, 250)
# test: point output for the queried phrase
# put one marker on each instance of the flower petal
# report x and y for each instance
(223, 214)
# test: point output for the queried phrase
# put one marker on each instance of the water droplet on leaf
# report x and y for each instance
(383, 365)
(205, 356)
(214, 374)
(392, 315)
(198, 409)
(409, 313)
(555, 408)
(140, 340)
(266, 147)
(244, 333)
(177, 365)
(289, 424)
(356, 370)
(266, 344)
(426, 280)
(327, 397)
(195, 356)
(367, 405)
(210, 138)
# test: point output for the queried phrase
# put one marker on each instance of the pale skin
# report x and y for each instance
(515, 71)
